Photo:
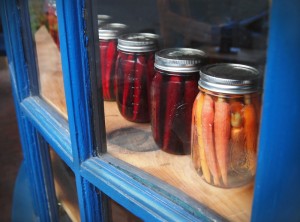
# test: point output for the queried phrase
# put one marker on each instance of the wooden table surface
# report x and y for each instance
(133, 143)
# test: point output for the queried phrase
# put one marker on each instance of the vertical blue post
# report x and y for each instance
(277, 188)
(75, 67)
(35, 150)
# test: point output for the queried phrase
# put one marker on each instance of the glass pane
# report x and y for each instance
(65, 189)
(44, 27)
(118, 213)
(149, 103)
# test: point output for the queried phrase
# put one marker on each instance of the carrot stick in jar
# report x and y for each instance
(250, 125)
(237, 150)
(207, 119)
(194, 136)
(222, 135)
(200, 146)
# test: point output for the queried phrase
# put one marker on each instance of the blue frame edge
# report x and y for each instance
(276, 194)
(137, 197)
(53, 127)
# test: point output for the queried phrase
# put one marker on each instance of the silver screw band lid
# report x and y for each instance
(138, 42)
(103, 19)
(183, 60)
(230, 78)
(111, 30)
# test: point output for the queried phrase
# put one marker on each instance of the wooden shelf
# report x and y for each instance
(65, 187)
(50, 71)
(133, 143)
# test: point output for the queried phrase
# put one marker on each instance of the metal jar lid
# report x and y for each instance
(138, 42)
(111, 30)
(103, 19)
(179, 60)
(230, 78)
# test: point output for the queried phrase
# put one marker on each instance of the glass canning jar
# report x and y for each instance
(108, 40)
(102, 19)
(52, 21)
(225, 124)
(135, 70)
(173, 90)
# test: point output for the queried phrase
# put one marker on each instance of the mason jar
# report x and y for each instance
(225, 124)
(52, 21)
(173, 90)
(108, 40)
(135, 70)
(102, 19)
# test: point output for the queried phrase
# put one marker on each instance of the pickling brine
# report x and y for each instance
(225, 123)
(135, 70)
(108, 40)
(173, 91)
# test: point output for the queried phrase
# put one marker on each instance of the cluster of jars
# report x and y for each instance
(210, 111)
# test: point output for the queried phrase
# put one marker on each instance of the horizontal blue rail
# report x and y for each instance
(136, 196)
(53, 127)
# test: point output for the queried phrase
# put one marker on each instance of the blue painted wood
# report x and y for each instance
(29, 48)
(136, 195)
(22, 208)
(52, 126)
(277, 196)
(34, 147)
(75, 68)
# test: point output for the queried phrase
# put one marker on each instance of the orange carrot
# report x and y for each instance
(250, 125)
(222, 135)
(204, 166)
(200, 152)
(237, 151)
(256, 100)
(207, 119)
(194, 150)
(236, 106)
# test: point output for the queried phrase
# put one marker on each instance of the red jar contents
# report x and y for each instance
(108, 35)
(52, 21)
(173, 91)
(135, 70)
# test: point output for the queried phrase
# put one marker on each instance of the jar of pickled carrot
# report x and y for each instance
(108, 40)
(225, 124)
(135, 70)
(173, 91)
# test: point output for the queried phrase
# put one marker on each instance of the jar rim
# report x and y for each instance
(138, 42)
(179, 59)
(230, 78)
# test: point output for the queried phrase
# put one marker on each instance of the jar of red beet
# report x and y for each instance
(52, 21)
(173, 90)
(108, 40)
(102, 19)
(225, 124)
(135, 70)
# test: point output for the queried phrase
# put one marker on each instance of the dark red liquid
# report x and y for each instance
(108, 56)
(172, 98)
(134, 76)
(53, 24)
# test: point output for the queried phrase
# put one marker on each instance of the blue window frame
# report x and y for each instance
(276, 196)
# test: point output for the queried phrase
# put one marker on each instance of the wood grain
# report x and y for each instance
(234, 204)
(133, 143)
(50, 71)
